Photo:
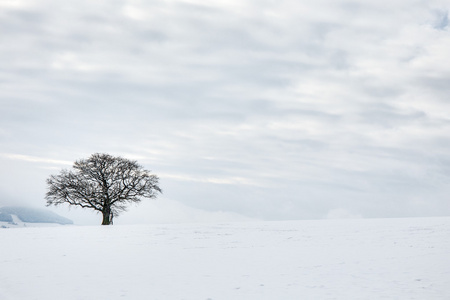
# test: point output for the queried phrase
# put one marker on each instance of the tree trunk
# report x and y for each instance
(106, 216)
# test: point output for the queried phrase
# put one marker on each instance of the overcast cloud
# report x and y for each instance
(268, 109)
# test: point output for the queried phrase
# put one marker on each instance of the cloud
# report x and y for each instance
(441, 19)
(273, 110)
(28, 158)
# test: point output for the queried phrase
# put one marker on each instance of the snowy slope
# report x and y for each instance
(29, 217)
(17, 222)
(326, 259)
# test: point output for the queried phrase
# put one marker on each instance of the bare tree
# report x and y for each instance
(104, 183)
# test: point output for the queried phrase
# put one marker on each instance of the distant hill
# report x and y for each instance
(31, 215)
(5, 217)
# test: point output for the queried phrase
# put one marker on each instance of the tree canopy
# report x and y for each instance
(104, 183)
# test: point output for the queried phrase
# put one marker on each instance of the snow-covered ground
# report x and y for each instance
(323, 259)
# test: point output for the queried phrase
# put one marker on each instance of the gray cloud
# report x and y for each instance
(441, 19)
(270, 109)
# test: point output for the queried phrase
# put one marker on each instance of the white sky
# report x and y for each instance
(268, 109)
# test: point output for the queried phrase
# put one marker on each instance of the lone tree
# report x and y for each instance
(103, 183)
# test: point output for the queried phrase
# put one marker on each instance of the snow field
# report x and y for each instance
(322, 259)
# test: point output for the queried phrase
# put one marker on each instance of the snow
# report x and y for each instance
(17, 222)
(321, 259)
